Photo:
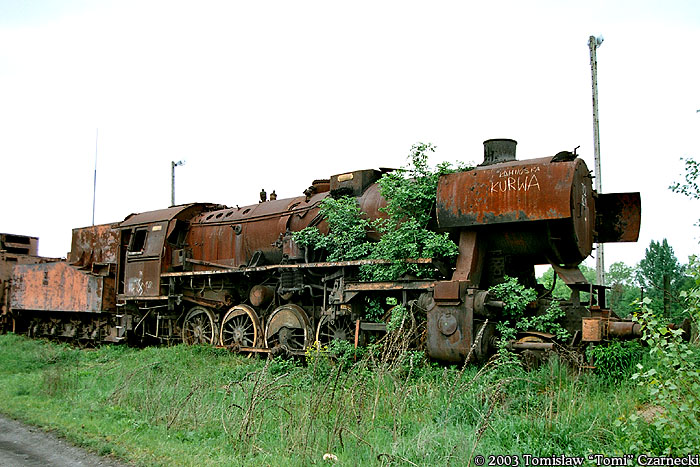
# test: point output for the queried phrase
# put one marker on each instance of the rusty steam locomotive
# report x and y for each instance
(205, 273)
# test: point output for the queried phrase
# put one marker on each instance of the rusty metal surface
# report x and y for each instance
(144, 252)
(596, 329)
(532, 346)
(97, 244)
(233, 236)
(167, 214)
(141, 266)
(624, 329)
(450, 332)
(570, 276)
(470, 262)
(371, 203)
(261, 295)
(499, 150)
(19, 244)
(537, 208)
(60, 287)
(324, 264)
(619, 217)
(7, 262)
(388, 285)
(508, 216)
(142, 278)
(591, 330)
(447, 291)
(518, 191)
(353, 183)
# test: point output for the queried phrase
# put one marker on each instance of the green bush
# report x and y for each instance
(410, 194)
(670, 425)
(617, 360)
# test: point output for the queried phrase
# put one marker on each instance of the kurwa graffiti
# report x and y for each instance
(520, 183)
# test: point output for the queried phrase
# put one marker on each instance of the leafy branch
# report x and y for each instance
(410, 194)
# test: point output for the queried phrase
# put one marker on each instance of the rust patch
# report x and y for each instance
(95, 245)
(516, 191)
(60, 287)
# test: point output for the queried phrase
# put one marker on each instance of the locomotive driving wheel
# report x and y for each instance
(289, 328)
(199, 327)
(341, 328)
(240, 327)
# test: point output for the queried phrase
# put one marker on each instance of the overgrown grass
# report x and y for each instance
(203, 406)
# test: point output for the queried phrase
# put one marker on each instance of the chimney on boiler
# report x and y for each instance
(499, 150)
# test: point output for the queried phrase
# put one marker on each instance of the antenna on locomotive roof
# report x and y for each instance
(94, 181)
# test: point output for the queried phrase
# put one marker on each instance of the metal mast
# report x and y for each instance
(94, 180)
(593, 44)
(173, 164)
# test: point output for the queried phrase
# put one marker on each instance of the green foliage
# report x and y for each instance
(659, 260)
(407, 240)
(373, 310)
(620, 278)
(514, 295)
(516, 298)
(347, 239)
(616, 360)
(672, 379)
(185, 406)
(624, 291)
(620, 273)
(690, 188)
(410, 195)
(399, 313)
(315, 352)
(546, 322)
(280, 366)
(413, 363)
(691, 299)
(410, 192)
(345, 353)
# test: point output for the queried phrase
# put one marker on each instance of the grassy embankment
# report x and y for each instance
(204, 406)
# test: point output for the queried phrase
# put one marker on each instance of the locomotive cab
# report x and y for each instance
(147, 242)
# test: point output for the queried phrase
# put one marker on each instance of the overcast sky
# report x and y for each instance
(275, 94)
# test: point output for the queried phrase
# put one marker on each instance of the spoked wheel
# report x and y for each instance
(288, 327)
(341, 328)
(199, 327)
(240, 327)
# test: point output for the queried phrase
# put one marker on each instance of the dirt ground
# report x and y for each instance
(23, 445)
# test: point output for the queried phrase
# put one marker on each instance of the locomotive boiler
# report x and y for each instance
(212, 274)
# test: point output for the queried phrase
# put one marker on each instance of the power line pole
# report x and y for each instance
(173, 164)
(593, 44)
(94, 180)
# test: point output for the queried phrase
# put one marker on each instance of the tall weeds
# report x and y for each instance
(199, 406)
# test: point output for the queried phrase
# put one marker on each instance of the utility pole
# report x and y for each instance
(173, 164)
(593, 44)
(94, 179)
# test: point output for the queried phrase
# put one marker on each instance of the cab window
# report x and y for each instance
(138, 241)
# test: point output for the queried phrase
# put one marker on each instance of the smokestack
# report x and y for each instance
(499, 150)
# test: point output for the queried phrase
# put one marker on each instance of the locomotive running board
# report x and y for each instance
(325, 264)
